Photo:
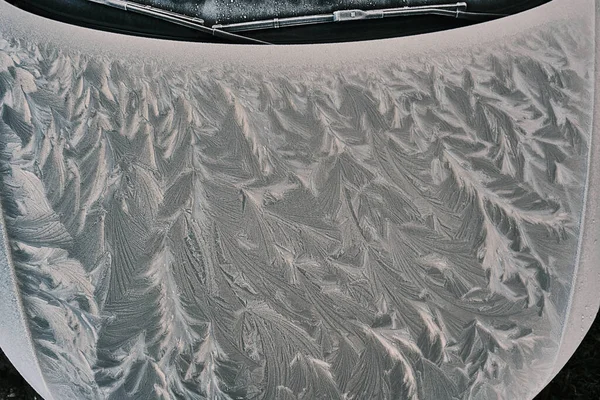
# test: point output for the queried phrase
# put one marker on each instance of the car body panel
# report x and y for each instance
(410, 217)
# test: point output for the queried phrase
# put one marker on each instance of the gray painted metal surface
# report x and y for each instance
(409, 218)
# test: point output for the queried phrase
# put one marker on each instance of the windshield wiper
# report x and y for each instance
(176, 18)
(226, 31)
(455, 10)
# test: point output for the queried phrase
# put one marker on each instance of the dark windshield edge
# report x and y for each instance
(136, 18)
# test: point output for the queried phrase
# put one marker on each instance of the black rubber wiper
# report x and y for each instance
(177, 18)
(454, 10)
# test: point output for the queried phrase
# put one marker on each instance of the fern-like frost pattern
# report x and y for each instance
(405, 231)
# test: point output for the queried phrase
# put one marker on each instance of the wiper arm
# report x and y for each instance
(226, 31)
(176, 18)
(455, 10)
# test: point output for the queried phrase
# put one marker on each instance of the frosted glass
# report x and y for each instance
(403, 219)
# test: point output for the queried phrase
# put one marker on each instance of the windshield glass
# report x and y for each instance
(273, 21)
(230, 11)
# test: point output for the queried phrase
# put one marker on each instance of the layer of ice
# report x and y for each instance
(223, 222)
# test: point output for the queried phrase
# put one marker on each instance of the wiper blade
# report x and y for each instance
(227, 31)
(177, 18)
(456, 10)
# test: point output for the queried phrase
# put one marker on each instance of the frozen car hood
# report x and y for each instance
(411, 218)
